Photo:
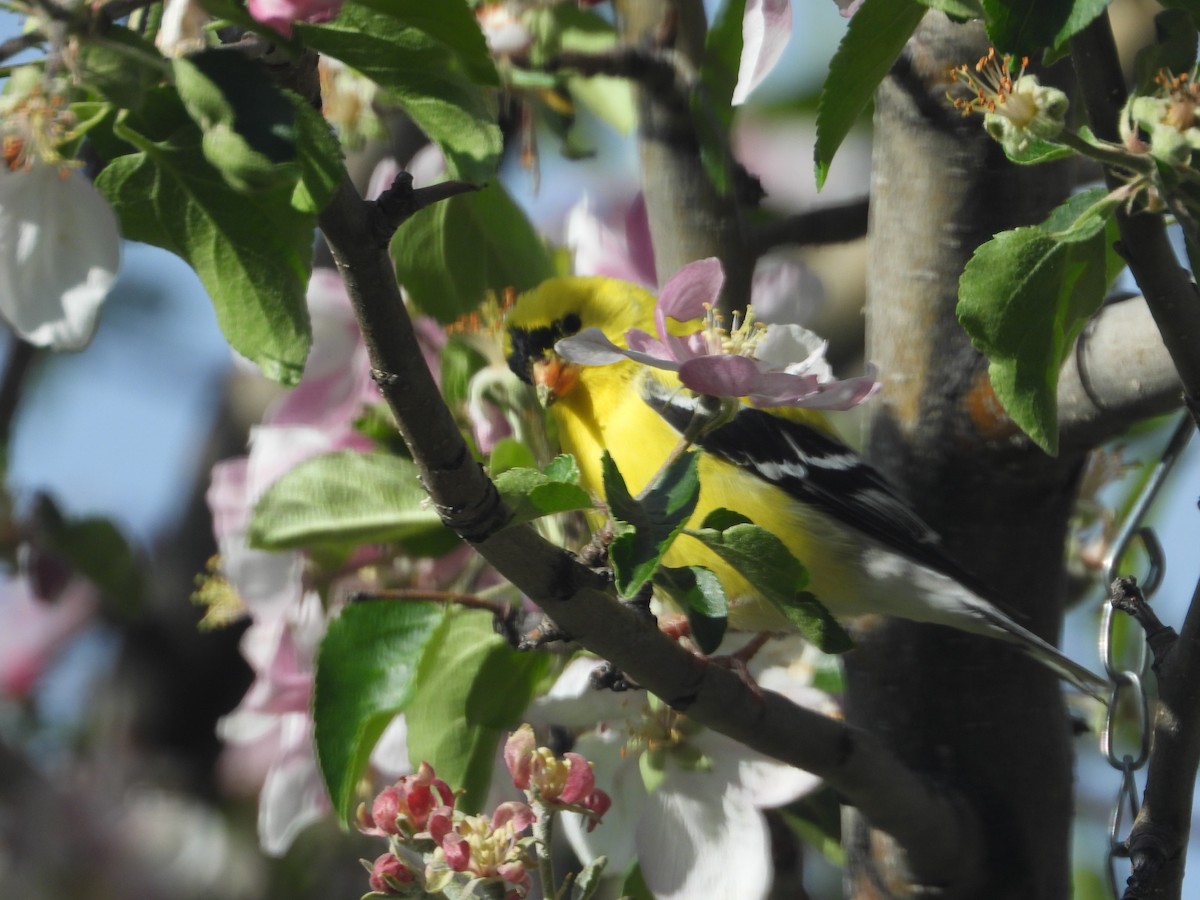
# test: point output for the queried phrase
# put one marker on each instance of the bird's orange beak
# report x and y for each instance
(554, 378)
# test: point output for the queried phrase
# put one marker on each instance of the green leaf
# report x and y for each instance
(611, 99)
(96, 549)
(460, 361)
(320, 156)
(471, 688)
(1024, 297)
(647, 525)
(774, 572)
(874, 38)
(450, 22)
(254, 256)
(424, 77)
(588, 881)
(509, 453)
(366, 668)
(531, 494)
(1035, 151)
(963, 10)
(449, 257)
(723, 57)
(249, 125)
(1025, 27)
(1174, 49)
(122, 66)
(344, 498)
(698, 592)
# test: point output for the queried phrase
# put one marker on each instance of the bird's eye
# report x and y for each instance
(571, 324)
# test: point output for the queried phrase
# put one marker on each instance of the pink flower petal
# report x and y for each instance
(766, 29)
(580, 780)
(720, 376)
(687, 293)
(589, 347)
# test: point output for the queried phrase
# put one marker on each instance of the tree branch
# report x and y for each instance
(1159, 836)
(1168, 289)
(937, 831)
(824, 225)
(689, 220)
(1119, 373)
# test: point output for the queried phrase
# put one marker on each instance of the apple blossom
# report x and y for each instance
(770, 365)
(60, 246)
(280, 14)
(687, 801)
(766, 29)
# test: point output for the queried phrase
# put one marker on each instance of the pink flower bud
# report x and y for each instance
(457, 851)
(580, 780)
(387, 872)
(597, 804)
(518, 816)
(518, 755)
(386, 810)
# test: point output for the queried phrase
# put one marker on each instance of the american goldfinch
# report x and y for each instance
(866, 548)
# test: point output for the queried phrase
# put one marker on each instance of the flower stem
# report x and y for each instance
(543, 832)
(1107, 154)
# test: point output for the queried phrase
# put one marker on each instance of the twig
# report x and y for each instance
(1125, 595)
(21, 355)
(402, 201)
(826, 225)
(1168, 289)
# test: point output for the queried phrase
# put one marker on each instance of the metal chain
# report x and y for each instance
(1127, 685)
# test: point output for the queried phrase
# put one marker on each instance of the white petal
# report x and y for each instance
(60, 249)
(795, 350)
(293, 796)
(390, 755)
(766, 29)
(701, 838)
(619, 776)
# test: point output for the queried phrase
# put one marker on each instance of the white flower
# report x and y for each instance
(60, 249)
(689, 810)
(766, 29)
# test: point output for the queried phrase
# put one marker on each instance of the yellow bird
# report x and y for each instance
(865, 547)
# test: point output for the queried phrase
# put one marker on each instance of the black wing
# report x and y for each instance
(816, 470)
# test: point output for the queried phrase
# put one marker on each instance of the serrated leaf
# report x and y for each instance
(344, 498)
(365, 675)
(509, 453)
(1025, 27)
(450, 22)
(449, 257)
(648, 524)
(874, 38)
(422, 76)
(1024, 297)
(763, 560)
(579, 31)
(698, 592)
(531, 494)
(253, 257)
(471, 688)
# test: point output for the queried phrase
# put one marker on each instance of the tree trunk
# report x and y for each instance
(975, 715)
